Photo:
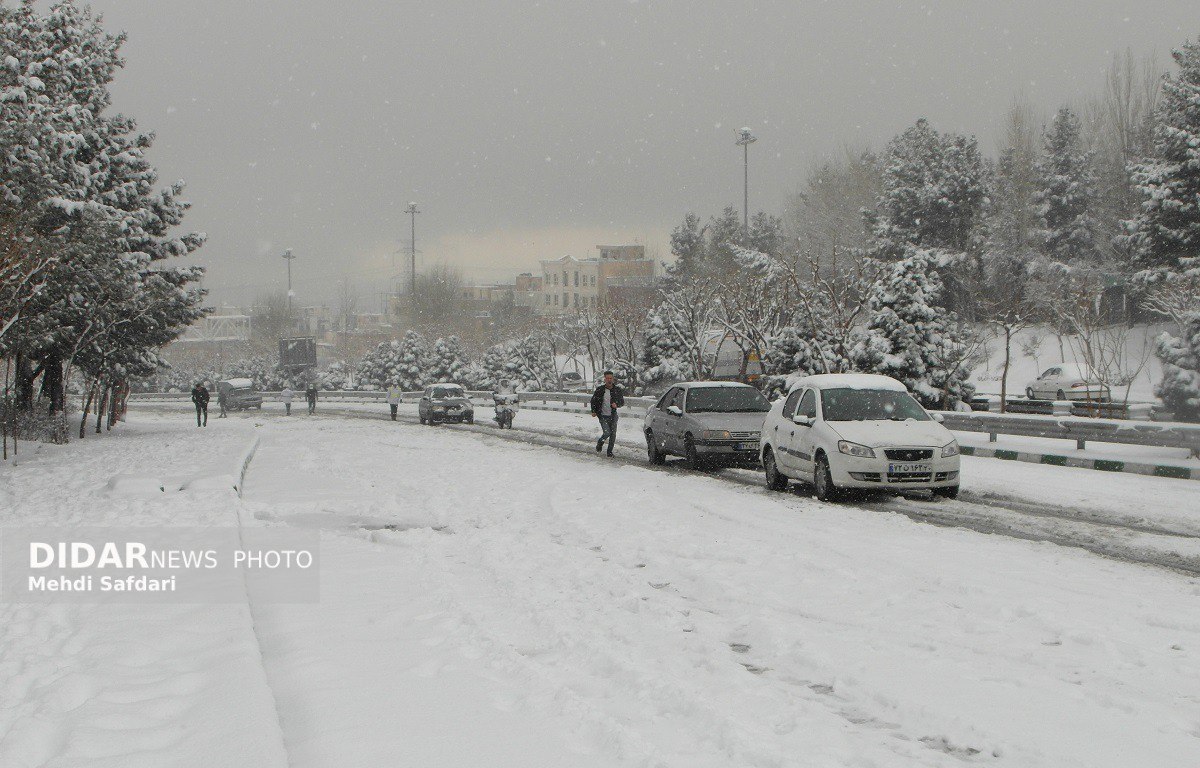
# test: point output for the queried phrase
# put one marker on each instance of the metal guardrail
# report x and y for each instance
(1139, 411)
(1061, 426)
(1081, 430)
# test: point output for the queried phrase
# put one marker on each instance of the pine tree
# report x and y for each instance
(908, 338)
(1066, 197)
(1165, 237)
(934, 188)
(1180, 386)
(687, 245)
(448, 360)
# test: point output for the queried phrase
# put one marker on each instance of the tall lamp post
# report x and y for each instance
(745, 139)
(288, 255)
(412, 211)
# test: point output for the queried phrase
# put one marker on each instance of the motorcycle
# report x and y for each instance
(506, 407)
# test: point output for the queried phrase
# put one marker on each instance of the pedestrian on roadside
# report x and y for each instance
(287, 395)
(311, 395)
(200, 399)
(222, 401)
(394, 398)
(607, 398)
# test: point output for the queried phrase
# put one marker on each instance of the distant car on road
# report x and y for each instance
(840, 430)
(1067, 381)
(239, 394)
(707, 423)
(570, 381)
(445, 402)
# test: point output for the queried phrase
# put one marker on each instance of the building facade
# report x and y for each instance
(570, 285)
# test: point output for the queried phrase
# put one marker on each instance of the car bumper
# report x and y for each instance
(443, 416)
(855, 472)
(734, 452)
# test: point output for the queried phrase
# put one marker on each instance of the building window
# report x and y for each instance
(556, 278)
(547, 298)
(556, 299)
(576, 279)
(577, 301)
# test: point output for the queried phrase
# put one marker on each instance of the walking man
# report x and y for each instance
(607, 398)
(287, 395)
(394, 396)
(200, 399)
(311, 395)
(223, 401)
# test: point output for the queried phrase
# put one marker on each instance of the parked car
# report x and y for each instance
(239, 394)
(839, 431)
(1067, 381)
(707, 423)
(570, 381)
(445, 402)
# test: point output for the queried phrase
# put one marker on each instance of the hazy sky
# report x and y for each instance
(526, 130)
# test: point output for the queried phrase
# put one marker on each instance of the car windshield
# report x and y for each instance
(572, 377)
(445, 393)
(726, 400)
(870, 405)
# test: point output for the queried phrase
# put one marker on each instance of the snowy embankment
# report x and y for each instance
(486, 602)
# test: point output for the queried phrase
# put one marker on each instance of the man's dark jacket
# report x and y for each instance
(618, 398)
(199, 395)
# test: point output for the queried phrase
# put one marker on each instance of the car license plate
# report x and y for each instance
(747, 446)
(895, 469)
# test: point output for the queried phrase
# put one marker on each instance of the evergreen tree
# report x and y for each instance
(934, 189)
(1180, 386)
(449, 361)
(908, 338)
(1165, 237)
(687, 245)
(405, 363)
(1067, 194)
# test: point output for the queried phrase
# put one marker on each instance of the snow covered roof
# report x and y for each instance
(847, 381)
(704, 384)
(239, 383)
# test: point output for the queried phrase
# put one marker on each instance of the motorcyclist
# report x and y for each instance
(506, 400)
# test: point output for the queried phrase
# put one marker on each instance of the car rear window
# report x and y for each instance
(726, 400)
(442, 393)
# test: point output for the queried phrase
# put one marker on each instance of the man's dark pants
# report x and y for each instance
(608, 426)
(393, 406)
(201, 409)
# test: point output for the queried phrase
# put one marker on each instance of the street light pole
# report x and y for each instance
(745, 139)
(288, 255)
(412, 211)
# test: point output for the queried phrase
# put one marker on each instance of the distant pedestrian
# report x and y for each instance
(287, 395)
(607, 398)
(200, 399)
(394, 396)
(223, 401)
(310, 394)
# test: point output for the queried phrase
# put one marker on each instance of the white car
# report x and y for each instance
(1067, 381)
(848, 430)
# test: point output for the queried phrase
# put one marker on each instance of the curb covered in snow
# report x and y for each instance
(1103, 465)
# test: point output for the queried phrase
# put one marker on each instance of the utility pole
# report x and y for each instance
(412, 211)
(288, 255)
(745, 139)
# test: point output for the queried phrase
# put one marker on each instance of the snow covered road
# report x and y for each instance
(488, 601)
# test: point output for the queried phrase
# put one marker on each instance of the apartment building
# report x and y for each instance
(571, 285)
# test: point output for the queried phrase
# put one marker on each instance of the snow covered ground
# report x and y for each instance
(490, 602)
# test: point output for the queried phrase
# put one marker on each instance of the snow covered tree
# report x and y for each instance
(909, 338)
(1066, 195)
(405, 363)
(448, 360)
(1165, 237)
(687, 245)
(934, 188)
(1180, 355)
(527, 363)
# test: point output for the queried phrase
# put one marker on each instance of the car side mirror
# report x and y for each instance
(802, 420)
(674, 410)
(939, 418)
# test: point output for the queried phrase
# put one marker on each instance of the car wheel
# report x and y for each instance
(656, 456)
(776, 480)
(823, 480)
(1061, 395)
(950, 492)
(1029, 393)
(690, 456)
(471, 419)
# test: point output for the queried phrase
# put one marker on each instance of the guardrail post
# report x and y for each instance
(1080, 444)
(1061, 408)
(991, 437)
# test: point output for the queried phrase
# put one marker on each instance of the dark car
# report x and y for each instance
(445, 402)
(707, 423)
(239, 394)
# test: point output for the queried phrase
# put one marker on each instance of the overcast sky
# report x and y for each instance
(526, 130)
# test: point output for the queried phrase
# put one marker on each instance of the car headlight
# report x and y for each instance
(716, 434)
(439, 407)
(950, 449)
(854, 449)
